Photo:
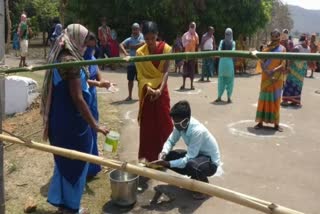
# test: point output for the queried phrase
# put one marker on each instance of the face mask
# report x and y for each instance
(182, 125)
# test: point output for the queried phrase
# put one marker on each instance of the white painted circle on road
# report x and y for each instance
(131, 115)
(244, 128)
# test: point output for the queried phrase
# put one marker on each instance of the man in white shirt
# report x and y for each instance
(208, 43)
(202, 157)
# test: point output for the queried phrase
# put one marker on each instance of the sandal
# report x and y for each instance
(192, 88)
(182, 88)
(258, 126)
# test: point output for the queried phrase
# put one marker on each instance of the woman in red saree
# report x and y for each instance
(154, 119)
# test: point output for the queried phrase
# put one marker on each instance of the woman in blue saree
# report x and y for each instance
(95, 80)
(68, 119)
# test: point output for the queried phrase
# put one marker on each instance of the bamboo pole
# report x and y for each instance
(2, 100)
(172, 56)
(177, 180)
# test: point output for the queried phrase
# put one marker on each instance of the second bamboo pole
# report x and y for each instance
(177, 180)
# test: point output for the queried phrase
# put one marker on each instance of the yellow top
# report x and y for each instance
(148, 74)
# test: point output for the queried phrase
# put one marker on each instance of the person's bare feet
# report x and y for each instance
(199, 196)
(258, 126)
(278, 128)
(128, 99)
(218, 100)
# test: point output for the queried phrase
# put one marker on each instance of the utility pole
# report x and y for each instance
(2, 99)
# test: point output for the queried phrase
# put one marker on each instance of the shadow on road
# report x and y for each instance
(124, 102)
(111, 208)
(45, 188)
(167, 198)
(222, 103)
(266, 130)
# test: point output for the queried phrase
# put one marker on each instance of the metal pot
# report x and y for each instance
(123, 187)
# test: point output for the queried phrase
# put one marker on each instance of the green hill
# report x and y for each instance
(306, 21)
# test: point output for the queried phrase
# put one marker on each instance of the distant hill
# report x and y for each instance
(305, 21)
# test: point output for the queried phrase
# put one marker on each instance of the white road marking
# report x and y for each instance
(238, 132)
(255, 105)
(128, 116)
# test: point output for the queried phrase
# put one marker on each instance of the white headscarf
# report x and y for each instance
(72, 39)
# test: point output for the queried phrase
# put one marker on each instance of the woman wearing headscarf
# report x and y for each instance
(56, 33)
(314, 49)
(95, 80)
(68, 119)
(297, 71)
(190, 42)
(154, 119)
(271, 85)
(226, 67)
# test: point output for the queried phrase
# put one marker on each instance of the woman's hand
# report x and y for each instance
(162, 163)
(104, 84)
(156, 95)
(150, 91)
(103, 130)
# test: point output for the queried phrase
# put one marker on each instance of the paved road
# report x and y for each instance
(279, 167)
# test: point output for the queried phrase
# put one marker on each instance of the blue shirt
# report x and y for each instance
(199, 141)
(133, 41)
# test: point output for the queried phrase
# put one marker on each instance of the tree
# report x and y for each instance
(280, 19)
(44, 12)
(9, 26)
(244, 16)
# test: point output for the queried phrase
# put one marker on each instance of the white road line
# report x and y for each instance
(236, 131)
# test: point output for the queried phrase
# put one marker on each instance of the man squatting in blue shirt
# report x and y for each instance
(202, 157)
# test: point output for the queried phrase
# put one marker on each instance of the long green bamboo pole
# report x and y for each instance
(173, 56)
(177, 180)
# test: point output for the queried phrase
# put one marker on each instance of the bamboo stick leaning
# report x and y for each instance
(177, 180)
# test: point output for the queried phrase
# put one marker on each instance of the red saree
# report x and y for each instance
(155, 121)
